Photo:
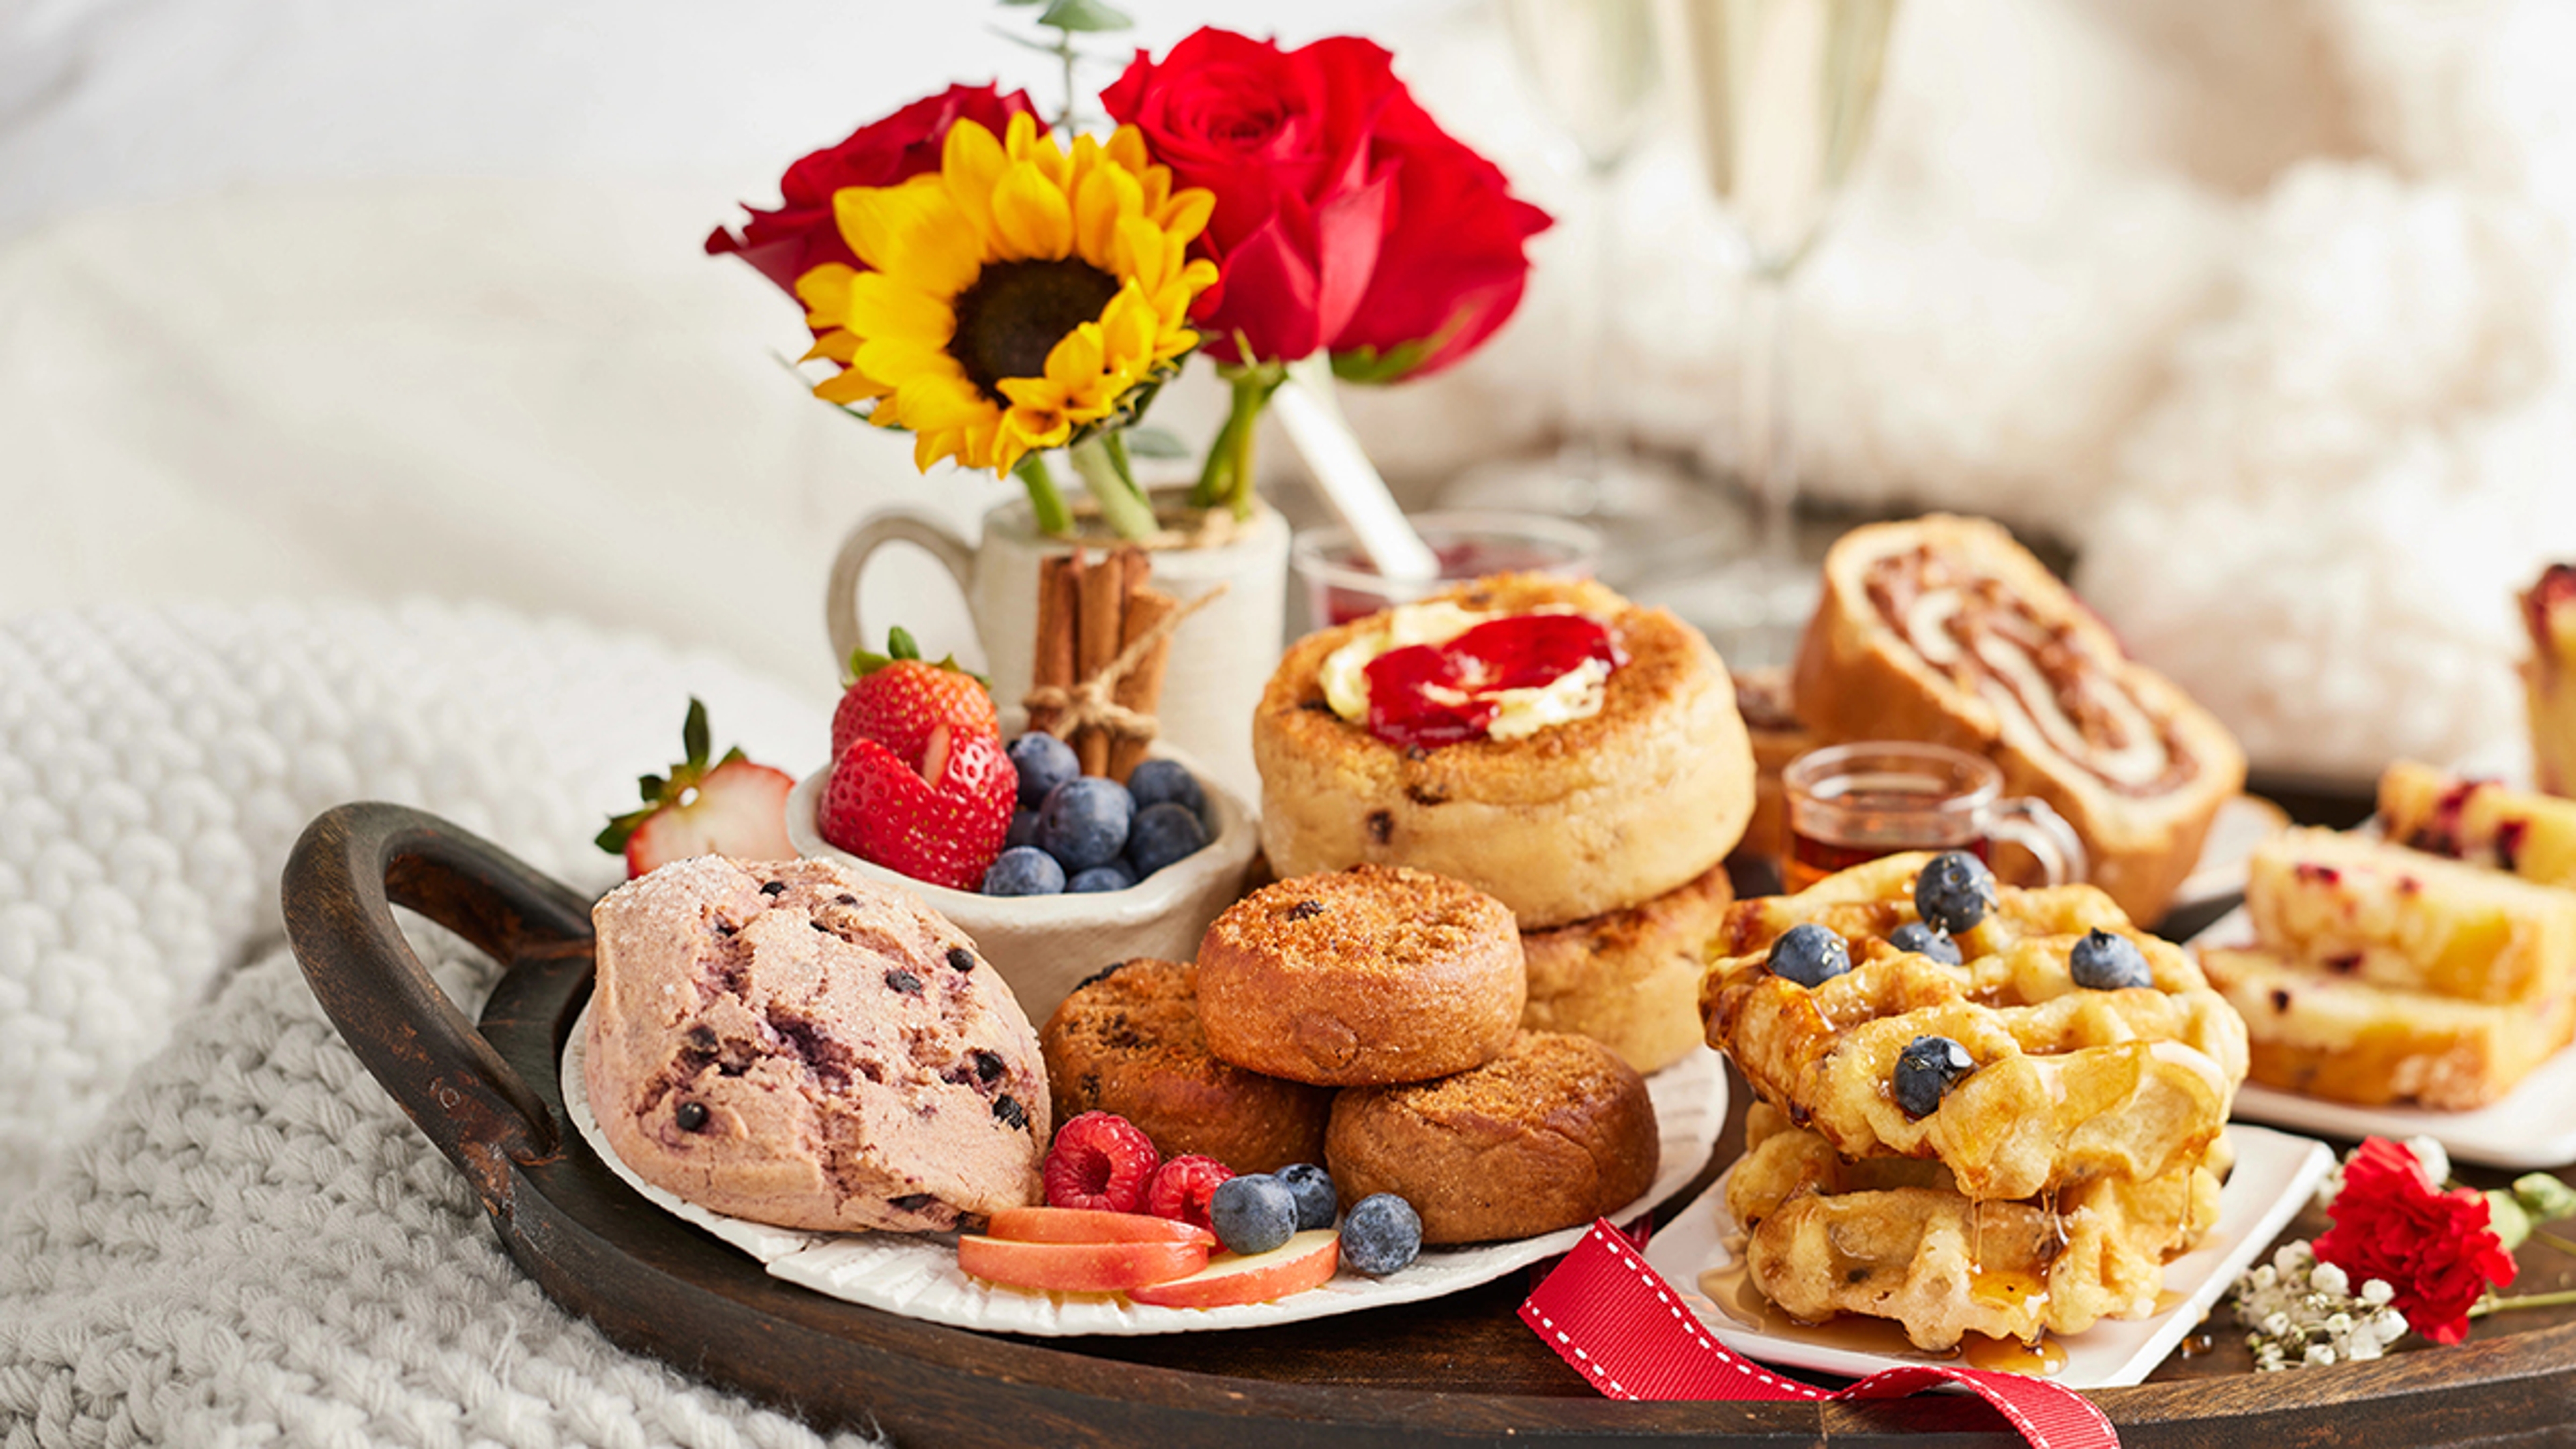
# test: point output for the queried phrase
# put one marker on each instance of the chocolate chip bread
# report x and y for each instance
(795, 1044)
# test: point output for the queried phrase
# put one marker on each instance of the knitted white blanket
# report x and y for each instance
(218, 1229)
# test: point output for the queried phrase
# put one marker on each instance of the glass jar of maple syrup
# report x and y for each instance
(1848, 804)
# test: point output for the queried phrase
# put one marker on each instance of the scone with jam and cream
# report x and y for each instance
(1541, 739)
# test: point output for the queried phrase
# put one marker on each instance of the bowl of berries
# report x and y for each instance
(1055, 873)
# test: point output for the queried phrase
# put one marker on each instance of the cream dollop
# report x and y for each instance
(1518, 713)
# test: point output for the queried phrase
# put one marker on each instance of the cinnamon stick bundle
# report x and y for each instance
(1099, 634)
(1059, 601)
(1142, 688)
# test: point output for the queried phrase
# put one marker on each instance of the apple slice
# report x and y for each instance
(1294, 1266)
(1078, 1267)
(1092, 1225)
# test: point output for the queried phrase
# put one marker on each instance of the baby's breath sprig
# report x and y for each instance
(2306, 1314)
(1068, 18)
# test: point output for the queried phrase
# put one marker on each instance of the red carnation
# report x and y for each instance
(2434, 1248)
(802, 233)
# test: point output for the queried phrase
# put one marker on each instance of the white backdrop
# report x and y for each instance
(2264, 307)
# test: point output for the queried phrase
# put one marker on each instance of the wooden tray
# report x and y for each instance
(1456, 1370)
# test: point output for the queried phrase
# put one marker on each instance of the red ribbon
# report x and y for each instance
(1619, 1324)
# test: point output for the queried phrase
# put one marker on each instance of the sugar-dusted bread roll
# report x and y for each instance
(796, 1044)
(1630, 980)
(1578, 818)
(1946, 630)
(1368, 975)
(1128, 1041)
(1553, 1133)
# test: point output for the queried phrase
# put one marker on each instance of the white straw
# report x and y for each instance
(1350, 481)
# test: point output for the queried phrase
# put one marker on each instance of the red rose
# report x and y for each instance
(1344, 217)
(1452, 267)
(802, 234)
(2434, 1248)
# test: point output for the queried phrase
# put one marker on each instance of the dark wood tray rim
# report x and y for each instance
(489, 1099)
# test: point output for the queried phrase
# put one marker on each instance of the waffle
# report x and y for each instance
(1892, 1238)
(2071, 1084)
(2351, 1041)
(2483, 822)
(2370, 911)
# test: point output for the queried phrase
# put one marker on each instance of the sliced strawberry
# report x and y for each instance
(736, 808)
(902, 703)
(944, 831)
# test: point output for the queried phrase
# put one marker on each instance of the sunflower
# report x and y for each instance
(1015, 296)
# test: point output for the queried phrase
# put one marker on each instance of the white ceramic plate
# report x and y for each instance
(917, 1274)
(2274, 1175)
(2534, 1125)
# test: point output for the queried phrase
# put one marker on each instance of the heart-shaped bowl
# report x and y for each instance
(1046, 945)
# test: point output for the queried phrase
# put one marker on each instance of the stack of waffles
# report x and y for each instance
(2075, 1148)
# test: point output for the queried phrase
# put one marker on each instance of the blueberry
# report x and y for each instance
(1044, 762)
(1252, 1214)
(1023, 871)
(2105, 962)
(1156, 781)
(1925, 940)
(1809, 955)
(1313, 1189)
(1162, 834)
(1110, 877)
(1954, 891)
(1084, 822)
(1926, 1071)
(1024, 829)
(1380, 1234)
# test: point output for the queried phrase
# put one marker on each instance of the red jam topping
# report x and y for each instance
(1429, 695)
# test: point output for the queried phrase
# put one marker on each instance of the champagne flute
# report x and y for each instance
(1593, 66)
(1778, 97)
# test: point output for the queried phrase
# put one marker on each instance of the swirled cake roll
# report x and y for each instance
(1944, 629)
(2549, 676)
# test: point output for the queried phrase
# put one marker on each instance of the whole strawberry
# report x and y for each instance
(736, 808)
(902, 703)
(942, 823)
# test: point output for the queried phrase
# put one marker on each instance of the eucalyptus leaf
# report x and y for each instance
(1085, 15)
(1017, 3)
(1156, 443)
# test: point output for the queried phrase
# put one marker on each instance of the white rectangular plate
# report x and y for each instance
(916, 1274)
(2274, 1175)
(2534, 1125)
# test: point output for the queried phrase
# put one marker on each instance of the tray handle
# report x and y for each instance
(353, 864)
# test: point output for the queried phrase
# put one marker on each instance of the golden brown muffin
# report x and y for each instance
(1128, 1041)
(1630, 979)
(1579, 818)
(1553, 1133)
(1359, 977)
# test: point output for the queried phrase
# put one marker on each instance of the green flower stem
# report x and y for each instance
(1053, 516)
(2559, 1299)
(2555, 1241)
(1102, 462)
(1229, 473)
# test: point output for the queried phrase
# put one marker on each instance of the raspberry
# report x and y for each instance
(1100, 1160)
(1182, 1188)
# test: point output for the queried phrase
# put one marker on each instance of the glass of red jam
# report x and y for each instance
(1340, 584)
